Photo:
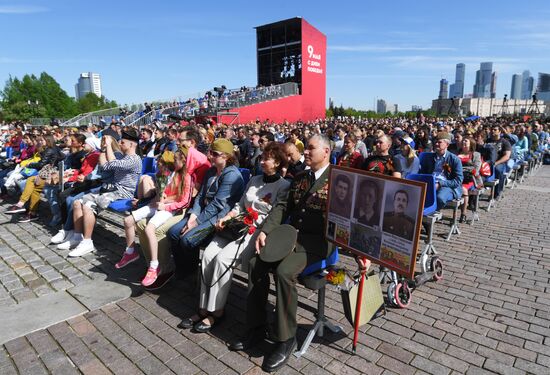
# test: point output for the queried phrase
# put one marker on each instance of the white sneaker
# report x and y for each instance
(67, 245)
(62, 236)
(83, 248)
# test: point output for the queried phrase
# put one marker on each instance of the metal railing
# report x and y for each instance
(240, 98)
(95, 117)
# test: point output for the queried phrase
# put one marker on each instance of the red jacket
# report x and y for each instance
(88, 165)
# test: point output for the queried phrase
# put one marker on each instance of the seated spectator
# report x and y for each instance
(262, 193)
(295, 138)
(522, 145)
(422, 140)
(504, 151)
(146, 143)
(172, 195)
(471, 164)
(349, 157)
(222, 188)
(34, 185)
(381, 161)
(295, 161)
(456, 145)
(265, 139)
(307, 216)
(72, 176)
(447, 169)
(409, 162)
(126, 174)
(91, 183)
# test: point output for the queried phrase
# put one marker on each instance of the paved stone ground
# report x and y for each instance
(490, 313)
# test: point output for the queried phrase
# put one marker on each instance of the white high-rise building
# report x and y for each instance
(88, 82)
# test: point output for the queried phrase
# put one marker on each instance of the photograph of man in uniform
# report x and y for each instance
(396, 221)
(340, 201)
(367, 203)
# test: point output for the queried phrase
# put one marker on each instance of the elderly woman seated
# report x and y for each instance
(222, 187)
(224, 252)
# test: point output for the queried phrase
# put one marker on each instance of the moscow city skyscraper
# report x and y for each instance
(456, 89)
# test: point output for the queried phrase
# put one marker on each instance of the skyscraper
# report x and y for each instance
(527, 85)
(88, 82)
(543, 86)
(515, 92)
(482, 87)
(544, 82)
(381, 106)
(494, 85)
(443, 91)
(457, 88)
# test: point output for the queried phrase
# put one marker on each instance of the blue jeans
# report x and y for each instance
(185, 249)
(444, 195)
(500, 174)
(50, 192)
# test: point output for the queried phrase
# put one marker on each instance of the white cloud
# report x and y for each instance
(386, 48)
(21, 9)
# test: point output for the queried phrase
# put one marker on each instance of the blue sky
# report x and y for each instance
(395, 50)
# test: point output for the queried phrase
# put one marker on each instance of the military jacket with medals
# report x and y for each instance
(305, 210)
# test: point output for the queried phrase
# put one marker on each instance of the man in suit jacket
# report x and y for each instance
(447, 169)
(305, 210)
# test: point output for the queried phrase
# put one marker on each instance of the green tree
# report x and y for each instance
(91, 102)
(31, 96)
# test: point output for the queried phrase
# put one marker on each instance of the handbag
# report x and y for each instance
(234, 230)
(485, 169)
(28, 172)
(371, 303)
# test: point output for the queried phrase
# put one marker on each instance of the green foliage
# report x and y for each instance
(31, 96)
(91, 102)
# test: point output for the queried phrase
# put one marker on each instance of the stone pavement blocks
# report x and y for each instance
(94, 367)
(429, 366)
(209, 364)
(394, 365)
(501, 368)
(450, 361)
(181, 365)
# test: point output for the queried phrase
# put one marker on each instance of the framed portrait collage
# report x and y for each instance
(376, 216)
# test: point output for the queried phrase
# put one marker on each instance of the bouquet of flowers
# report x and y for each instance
(237, 227)
(242, 223)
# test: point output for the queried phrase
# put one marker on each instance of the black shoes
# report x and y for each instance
(252, 338)
(189, 323)
(279, 356)
(202, 327)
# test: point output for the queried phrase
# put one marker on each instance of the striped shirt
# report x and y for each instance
(126, 173)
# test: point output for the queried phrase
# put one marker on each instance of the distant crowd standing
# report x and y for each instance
(209, 177)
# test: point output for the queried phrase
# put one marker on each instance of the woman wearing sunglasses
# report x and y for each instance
(222, 188)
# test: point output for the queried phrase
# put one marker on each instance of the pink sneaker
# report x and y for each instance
(127, 259)
(150, 277)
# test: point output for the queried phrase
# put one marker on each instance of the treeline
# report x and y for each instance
(335, 111)
(42, 97)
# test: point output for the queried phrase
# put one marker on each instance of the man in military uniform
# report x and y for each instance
(396, 222)
(305, 210)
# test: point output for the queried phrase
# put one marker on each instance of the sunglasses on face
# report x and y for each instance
(216, 154)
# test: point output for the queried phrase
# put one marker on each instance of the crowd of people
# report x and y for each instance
(201, 194)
